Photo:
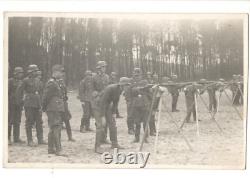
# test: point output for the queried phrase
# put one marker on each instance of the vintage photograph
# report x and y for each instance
(125, 90)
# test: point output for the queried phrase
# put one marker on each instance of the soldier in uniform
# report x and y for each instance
(100, 81)
(66, 114)
(31, 89)
(15, 106)
(54, 107)
(211, 89)
(106, 111)
(141, 102)
(174, 90)
(85, 96)
(114, 80)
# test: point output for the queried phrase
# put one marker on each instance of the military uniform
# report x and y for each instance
(141, 103)
(15, 108)
(31, 89)
(85, 95)
(212, 97)
(174, 90)
(190, 102)
(114, 80)
(128, 98)
(66, 114)
(100, 81)
(54, 106)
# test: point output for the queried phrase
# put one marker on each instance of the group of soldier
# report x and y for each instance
(99, 95)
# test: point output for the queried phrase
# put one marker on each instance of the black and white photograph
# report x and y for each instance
(125, 90)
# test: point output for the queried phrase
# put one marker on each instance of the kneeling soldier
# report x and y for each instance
(53, 104)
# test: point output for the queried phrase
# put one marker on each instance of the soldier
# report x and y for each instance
(211, 89)
(130, 100)
(114, 80)
(31, 90)
(174, 90)
(141, 102)
(15, 106)
(85, 96)
(190, 91)
(54, 107)
(105, 112)
(100, 81)
(66, 114)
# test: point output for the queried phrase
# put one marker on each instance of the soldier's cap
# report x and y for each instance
(124, 81)
(88, 73)
(113, 73)
(101, 64)
(18, 70)
(58, 68)
(32, 68)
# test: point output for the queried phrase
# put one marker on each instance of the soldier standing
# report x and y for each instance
(54, 107)
(85, 96)
(30, 89)
(106, 111)
(174, 90)
(141, 101)
(15, 105)
(100, 81)
(114, 80)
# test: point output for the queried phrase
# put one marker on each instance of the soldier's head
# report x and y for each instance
(137, 74)
(39, 75)
(101, 66)
(174, 77)
(149, 75)
(32, 70)
(165, 79)
(202, 81)
(155, 77)
(124, 82)
(18, 72)
(88, 73)
(113, 74)
(58, 71)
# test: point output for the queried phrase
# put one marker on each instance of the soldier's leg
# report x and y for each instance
(130, 120)
(138, 120)
(51, 141)
(87, 115)
(111, 123)
(57, 138)
(10, 123)
(68, 129)
(82, 119)
(152, 128)
(39, 127)
(29, 114)
(210, 102)
(100, 122)
(17, 122)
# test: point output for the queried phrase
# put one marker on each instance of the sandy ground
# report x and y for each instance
(211, 149)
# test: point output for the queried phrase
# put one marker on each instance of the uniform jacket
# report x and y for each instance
(110, 95)
(86, 88)
(140, 98)
(53, 97)
(30, 90)
(100, 81)
(14, 99)
(64, 91)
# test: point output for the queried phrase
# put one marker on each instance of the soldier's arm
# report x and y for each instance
(20, 92)
(104, 100)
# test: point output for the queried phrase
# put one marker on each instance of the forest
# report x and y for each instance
(191, 49)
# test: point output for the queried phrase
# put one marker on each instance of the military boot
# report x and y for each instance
(29, 137)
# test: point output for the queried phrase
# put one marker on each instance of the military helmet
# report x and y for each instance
(124, 81)
(113, 73)
(57, 67)
(137, 71)
(101, 64)
(221, 80)
(202, 80)
(88, 73)
(32, 68)
(18, 70)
